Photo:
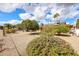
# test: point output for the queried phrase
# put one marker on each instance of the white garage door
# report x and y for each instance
(77, 32)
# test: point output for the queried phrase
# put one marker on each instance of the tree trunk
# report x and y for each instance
(4, 31)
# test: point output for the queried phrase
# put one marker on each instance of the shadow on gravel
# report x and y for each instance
(66, 35)
(34, 33)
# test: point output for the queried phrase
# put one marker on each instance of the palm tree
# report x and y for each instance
(56, 15)
(4, 31)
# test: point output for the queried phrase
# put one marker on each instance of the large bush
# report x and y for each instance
(61, 29)
(49, 46)
(56, 29)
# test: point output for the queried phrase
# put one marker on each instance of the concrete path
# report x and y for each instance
(21, 40)
(15, 44)
(8, 48)
(73, 41)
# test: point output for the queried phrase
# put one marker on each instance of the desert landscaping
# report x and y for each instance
(39, 30)
(14, 44)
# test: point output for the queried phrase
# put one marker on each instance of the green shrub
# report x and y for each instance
(61, 29)
(56, 29)
(10, 30)
(49, 46)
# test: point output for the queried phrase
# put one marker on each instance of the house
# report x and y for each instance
(75, 29)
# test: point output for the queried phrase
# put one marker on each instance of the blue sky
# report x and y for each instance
(4, 16)
(42, 12)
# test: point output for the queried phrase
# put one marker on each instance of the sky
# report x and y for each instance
(15, 13)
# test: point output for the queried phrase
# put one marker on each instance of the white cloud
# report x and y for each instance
(13, 22)
(65, 10)
(40, 12)
(9, 7)
(39, 9)
(10, 22)
(25, 16)
(33, 18)
(2, 22)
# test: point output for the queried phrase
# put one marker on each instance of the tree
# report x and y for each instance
(30, 25)
(27, 24)
(35, 25)
(77, 24)
(4, 31)
(1, 27)
(19, 26)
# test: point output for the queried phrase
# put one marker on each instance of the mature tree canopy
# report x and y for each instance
(30, 25)
(19, 26)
